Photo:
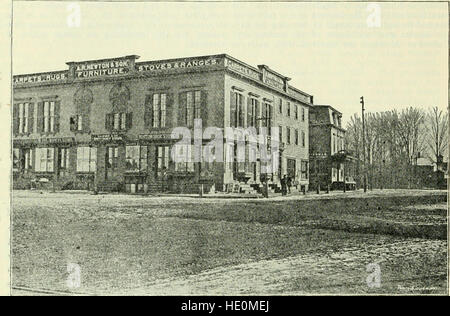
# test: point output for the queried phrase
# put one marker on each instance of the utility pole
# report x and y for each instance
(364, 145)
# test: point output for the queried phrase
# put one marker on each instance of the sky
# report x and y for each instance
(334, 51)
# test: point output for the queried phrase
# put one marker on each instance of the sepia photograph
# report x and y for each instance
(234, 149)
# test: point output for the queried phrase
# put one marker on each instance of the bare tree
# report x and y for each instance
(437, 126)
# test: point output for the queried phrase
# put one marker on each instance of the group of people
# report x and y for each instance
(286, 183)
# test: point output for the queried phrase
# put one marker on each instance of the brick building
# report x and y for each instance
(107, 123)
(331, 165)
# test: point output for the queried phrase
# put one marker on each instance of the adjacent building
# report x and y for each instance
(330, 163)
(107, 124)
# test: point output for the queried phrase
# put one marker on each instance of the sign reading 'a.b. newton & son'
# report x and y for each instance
(99, 69)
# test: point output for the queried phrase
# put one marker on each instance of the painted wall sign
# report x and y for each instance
(167, 65)
(46, 77)
(107, 137)
(274, 81)
(57, 140)
(242, 69)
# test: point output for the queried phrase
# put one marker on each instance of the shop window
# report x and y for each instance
(45, 159)
(304, 170)
(86, 159)
(27, 162)
(136, 158)
(184, 160)
(16, 159)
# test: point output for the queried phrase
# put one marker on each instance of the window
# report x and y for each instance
(63, 161)
(162, 160)
(193, 106)
(136, 158)
(16, 159)
(296, 136)
(303, 114)
(44, 159)
(118, 121)
(184, 161)
(281, 134)
(267, 116)
(23, 117)
(49, 116)
(112, 159)
(237, 110)
(296, 111)
(252, 112)
(159, 110)
(27, 165)
(63, 158)
(280, 106)
(303, 139)
(304, 170)
(289, 109)
(86, 159)
(76, 123)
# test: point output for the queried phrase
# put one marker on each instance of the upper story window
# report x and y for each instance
(280, 106)
(192, 106)
(159, 110)
(303, 114)
(23, 118)
(296, 111)
(118, 121)
(288, 135)
(237, 110)
(289, 109)
(48, 116)
(82, 99)
(296, 136)
(303, 139)
(252, 112)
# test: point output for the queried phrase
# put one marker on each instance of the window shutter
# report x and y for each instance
(57, 109)
(233, 122)
(40, 117)
(85, 122)
(182, 100)
(257, 116)
(30, 117)
(204, 108)
(169, 110)
(148, 111)
(72, 123)
(129, 122)
(108, 122)
(15, 119)
(241, 111)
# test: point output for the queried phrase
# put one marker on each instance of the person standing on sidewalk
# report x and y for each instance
(289, 183)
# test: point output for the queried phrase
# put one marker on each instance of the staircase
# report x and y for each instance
(109, 186)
